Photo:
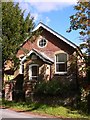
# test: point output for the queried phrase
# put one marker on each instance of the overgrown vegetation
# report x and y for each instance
(81, 21)
(54, 88)
(58, 111)
(57, 93)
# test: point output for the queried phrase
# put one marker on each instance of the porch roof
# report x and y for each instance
(41, 55)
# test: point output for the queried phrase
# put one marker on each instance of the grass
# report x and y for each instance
(58, 111)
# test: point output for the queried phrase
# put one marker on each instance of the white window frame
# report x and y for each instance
(30, 71)
(40, 40)
(64, 72)
(21, 68)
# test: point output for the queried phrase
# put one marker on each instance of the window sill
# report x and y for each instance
(60, 73)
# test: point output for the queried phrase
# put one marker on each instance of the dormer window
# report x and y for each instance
(42, 42)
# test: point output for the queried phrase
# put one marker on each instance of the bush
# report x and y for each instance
(52, 88)
(85, 100)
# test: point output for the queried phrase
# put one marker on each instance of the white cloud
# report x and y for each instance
(38, 7)
(48, 5)
(45, 5)
(67, 1)
(25, 6)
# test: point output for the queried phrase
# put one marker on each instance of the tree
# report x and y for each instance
(81, 21)
(15, 29)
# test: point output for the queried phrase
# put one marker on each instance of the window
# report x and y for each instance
(42, 42)
(61, 63)
(33, 72)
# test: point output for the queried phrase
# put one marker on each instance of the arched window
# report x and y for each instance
(61, 63)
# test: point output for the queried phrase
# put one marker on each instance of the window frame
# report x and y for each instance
(63, 72)
(30, 71)
(41, 40)
(21, 68)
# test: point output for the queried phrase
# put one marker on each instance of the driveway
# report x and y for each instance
(6, 113)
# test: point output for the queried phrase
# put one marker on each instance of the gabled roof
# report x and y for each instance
(55, 33)
(41, 55)
(62, 38)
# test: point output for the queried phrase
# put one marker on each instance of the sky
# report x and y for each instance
(54, 13)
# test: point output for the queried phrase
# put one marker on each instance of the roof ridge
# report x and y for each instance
(64, 39)
(41, 24)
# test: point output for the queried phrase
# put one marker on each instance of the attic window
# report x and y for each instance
(42, 43)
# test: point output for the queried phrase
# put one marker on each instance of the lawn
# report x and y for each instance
(57, 111)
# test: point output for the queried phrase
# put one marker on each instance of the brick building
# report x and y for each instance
(49, 57)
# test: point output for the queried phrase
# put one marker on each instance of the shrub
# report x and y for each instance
(52, 88)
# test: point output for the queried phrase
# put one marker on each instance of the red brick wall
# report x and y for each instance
(54, 44)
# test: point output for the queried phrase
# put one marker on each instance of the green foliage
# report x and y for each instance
(81, 21)
(84, 103)
(53, 88)
(15, 29)
(58, 111)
